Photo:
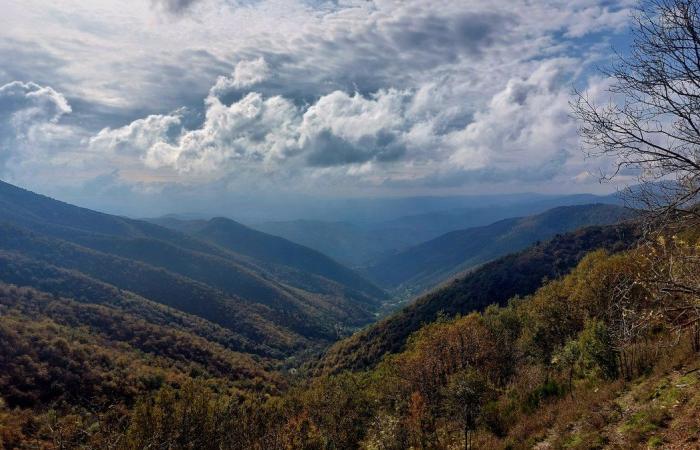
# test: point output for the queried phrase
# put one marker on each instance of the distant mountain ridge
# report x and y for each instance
(359, 243)
(427, 264)
(431, 225)
(349, 243)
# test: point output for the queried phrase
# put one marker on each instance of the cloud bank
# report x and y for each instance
(319, 97)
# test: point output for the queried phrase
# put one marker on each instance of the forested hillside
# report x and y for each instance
(264, 306)
(496, 282)
(276, 253)
(103, 350)
(578, 363)
(427, 264)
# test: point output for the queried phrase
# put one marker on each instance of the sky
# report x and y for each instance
(144, 107)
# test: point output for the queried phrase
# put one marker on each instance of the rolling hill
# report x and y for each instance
(425, 265)
(55, 349)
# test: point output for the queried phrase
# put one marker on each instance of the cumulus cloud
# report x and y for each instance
(29, 115)
(22, 104)
(247, 73)
(416, 93)
(339, 129)
(252, 130)
(139, 135)
(343, 129)
(523, 133)
(524, 124)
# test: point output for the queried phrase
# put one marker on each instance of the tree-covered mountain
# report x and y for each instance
(111, 340)
(276, 253)
(557, 368)
(427, 264)
(58, 349)
(517, 274)
(268, 303)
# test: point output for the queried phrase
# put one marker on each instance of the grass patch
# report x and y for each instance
(655, 442)
(644, 422)
(584, 440)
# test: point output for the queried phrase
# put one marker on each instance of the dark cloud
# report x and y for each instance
(166, 82)
(25, 60)
(169, 81)
(377, 55)
(173, 6)
(449, 36)
(327, 149)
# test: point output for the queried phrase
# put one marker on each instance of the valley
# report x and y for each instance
(100, 310)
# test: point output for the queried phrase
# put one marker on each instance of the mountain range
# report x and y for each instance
(362, 240)
(270, 304)
(425, 265)
(112, 326)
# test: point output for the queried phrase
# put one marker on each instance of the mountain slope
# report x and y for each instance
(494, 283)
(72, 369)
(275, 251)
(425, 227)
(21, 270)
(427, 264)
(265, 303)
(255, 321)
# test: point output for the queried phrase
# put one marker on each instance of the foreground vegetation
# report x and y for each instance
(600, 357)
(496, 282)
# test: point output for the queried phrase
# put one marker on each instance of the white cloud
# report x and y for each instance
(23, 104)
(139, 135)
(253, 130)
(525, 124)
(339, 129)
(29, 116)
(246, 74)
(382, 93)
(523, 134)
(342, 129)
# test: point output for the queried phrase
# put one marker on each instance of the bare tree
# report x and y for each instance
(651, 126)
